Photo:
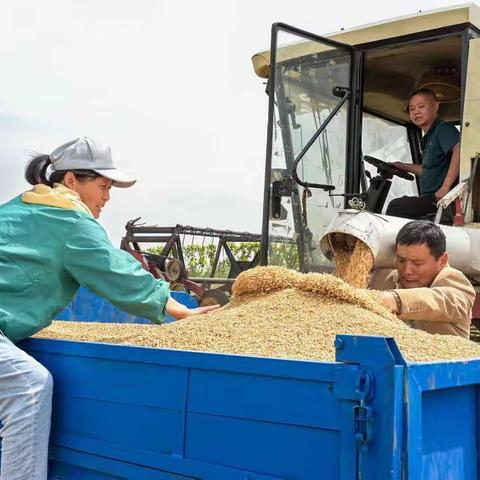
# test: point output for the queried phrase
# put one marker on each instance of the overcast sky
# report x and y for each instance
(168, 84)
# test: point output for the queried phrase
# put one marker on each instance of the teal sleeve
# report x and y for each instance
(448, 137)
(91, 259)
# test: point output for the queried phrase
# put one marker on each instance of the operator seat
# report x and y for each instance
(446, 219)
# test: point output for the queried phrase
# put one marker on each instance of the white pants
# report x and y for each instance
(25, 410)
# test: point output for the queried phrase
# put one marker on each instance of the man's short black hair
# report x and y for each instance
(423, 91)
(418, 232)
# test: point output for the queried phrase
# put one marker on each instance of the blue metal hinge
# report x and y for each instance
(362, 413)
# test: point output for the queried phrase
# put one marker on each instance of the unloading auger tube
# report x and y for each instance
(379, 233)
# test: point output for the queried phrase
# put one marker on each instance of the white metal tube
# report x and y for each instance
(380, 231)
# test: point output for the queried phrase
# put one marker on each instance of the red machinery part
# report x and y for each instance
(138, 256)
(458, 219)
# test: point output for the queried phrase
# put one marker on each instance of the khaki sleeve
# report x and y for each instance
(450, 299)
(383, 279)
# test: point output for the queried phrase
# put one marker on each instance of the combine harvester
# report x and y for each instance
(124, 412)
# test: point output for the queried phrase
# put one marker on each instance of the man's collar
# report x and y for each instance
(433, 125)
(426, 136)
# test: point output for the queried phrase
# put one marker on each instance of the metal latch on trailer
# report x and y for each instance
(363, 419)
(362, 413)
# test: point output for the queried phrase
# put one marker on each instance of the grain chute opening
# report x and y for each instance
(353, 261)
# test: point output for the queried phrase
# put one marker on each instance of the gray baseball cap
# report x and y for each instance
(85, 154)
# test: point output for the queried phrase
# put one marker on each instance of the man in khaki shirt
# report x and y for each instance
(423, 290)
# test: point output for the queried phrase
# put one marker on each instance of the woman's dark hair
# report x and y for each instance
(36, 172)
(418, 232)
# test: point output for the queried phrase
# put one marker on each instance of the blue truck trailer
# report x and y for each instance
(128, 412)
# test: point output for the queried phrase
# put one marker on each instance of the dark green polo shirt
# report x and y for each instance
(437, 144)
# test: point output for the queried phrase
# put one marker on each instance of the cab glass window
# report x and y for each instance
(387, 141)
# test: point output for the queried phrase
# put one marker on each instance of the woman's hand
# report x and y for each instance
(179, 311)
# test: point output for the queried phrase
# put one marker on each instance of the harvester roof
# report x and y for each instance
(391, 74)
(374, 32)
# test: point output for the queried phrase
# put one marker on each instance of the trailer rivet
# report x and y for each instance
(467, 124)
(339, 343)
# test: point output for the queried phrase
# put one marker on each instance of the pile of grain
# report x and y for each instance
(278, 313)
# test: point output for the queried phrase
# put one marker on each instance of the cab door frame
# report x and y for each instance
(352, 148)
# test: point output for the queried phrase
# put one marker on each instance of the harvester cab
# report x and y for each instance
(338, 116)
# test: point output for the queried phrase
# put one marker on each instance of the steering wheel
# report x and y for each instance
(388, 168)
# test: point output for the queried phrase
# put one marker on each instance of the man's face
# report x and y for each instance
(423, 110)
(416, 265)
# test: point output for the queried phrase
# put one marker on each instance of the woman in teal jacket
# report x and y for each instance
(50, 244)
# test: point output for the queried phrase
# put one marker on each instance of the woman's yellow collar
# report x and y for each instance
(59, 196)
